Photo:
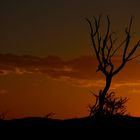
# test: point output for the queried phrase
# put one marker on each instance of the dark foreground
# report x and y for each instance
(107, 127)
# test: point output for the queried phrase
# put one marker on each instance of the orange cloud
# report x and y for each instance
(79, 71)
(126, 84)
(80, 68)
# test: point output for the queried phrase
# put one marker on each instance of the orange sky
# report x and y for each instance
(34, 86)
(46, 63)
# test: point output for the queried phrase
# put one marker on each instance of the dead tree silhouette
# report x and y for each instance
(105, 48)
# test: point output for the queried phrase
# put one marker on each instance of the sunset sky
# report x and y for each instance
(46, 62)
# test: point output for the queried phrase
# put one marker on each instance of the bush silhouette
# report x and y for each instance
(112, 105)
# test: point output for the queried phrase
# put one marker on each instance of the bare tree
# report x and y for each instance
(105, 48)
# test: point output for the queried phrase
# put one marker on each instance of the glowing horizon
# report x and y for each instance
(46, 62)
(51, 84)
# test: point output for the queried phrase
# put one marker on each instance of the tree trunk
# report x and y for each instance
(103, 94)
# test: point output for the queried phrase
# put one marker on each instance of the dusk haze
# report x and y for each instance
(47, 63)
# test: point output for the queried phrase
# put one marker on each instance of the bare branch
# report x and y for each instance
(93, 93)
(133, 57)
(111, 65)
(127, 31)
(93, 34)
(112, 42)
(119, 68)
(117, 48)
(98, 34)
(130, 24)
(133, 50)
(49, 115)
(105, 41)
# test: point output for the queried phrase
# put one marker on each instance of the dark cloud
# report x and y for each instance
(82, 68)
(79, 71)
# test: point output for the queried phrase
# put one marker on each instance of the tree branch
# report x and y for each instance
(133, 57)
(133, 50)
(105, 42)
(93, 34)
(127, 31)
